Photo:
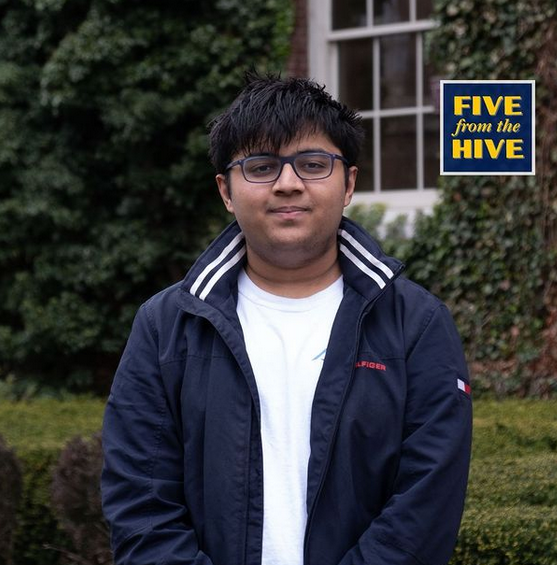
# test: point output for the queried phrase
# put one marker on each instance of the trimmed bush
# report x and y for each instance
(39, 539)
(10, 492)
(510, 516)
(517, 428)
(516, 535)
(76, 500)
(511, 508)
(512, 483)
(46, 423)
(38, 430)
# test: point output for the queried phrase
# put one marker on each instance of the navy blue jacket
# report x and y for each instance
(390, 430)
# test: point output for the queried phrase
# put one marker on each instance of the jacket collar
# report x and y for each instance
(364, 265)
(213, 277)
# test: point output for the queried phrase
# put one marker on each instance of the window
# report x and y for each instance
(370, 54)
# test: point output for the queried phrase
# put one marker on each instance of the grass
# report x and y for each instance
(49, 423)
(514, 427)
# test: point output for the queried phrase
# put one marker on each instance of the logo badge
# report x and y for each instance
(371, 365)
(487, 127)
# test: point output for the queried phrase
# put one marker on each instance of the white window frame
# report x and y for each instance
(323, 67)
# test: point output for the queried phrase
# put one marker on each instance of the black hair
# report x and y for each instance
(271, 111)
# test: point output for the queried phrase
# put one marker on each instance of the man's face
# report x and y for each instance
(290, 222)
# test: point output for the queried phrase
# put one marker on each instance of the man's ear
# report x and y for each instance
(224, 191)
(350, 184)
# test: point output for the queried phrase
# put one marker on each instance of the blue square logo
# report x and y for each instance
(487, 127)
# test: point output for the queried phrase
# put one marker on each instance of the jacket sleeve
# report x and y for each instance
(142, 485)
(419, 522)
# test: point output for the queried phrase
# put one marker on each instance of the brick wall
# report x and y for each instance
(298, 61)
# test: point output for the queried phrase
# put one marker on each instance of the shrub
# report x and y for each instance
(38, 430)
(502, 482)
(510, 515)
(393, 236)
(106, 191)
(511, 508)
(76, 501)
(39, 539)
(516, 535)
(520, 428)
(10, 493)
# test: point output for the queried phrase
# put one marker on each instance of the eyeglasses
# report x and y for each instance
(315, 165)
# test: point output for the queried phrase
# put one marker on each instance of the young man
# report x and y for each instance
(294, 401)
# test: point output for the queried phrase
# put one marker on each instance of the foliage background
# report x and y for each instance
(490, 248)
(510, 515)
(106, 192)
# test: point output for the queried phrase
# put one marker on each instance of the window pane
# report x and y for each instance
(431, 79)
(398, 70)
(349, 13)
(424, 9)
(431, 87)
(364, 181)
(398, 153)
(389, 11)
(431, 150)
(355, 73)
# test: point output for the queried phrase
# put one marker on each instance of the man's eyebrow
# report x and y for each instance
(271, 154)
(261, 154)
(312, 150)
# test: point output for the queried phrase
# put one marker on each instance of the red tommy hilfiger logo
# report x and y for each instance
(371, 365)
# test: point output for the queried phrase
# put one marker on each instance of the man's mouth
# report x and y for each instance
(288, 210)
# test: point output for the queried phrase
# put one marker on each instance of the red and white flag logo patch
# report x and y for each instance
(464, 387)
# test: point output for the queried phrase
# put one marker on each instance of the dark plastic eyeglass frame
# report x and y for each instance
(290, 160)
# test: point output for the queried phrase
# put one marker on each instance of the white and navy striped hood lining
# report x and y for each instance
(359, 256)
(214, 271)
(362, 258)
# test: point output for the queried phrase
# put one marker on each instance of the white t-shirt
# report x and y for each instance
(286, 341)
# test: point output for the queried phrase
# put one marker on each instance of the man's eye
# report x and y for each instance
(313, 164)
(260, 168)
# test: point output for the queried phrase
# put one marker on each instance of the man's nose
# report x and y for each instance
(288, 180)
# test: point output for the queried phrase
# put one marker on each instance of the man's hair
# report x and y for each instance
(271, 112)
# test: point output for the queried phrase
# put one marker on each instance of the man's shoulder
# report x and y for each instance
(415, 294)
(411, 306)
(163, 306)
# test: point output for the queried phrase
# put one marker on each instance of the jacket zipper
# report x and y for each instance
(257, 419)
(309, 523)
(331, 443)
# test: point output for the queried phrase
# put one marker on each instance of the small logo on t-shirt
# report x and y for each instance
(371, 365)
(320, 356)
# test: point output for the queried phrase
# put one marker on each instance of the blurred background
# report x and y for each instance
(107, 196)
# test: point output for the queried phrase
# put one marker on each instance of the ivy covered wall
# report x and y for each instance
(490, 248)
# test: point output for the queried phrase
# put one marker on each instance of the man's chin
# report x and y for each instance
(293, 252)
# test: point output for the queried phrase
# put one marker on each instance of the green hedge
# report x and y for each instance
(38, 430)
(514, 428)
(511, 510)
(515, 535)
(38, 540)
(509, 483)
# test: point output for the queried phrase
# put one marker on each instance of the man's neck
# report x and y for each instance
(294, 282)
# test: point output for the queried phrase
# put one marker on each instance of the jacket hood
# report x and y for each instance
(365, 267)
